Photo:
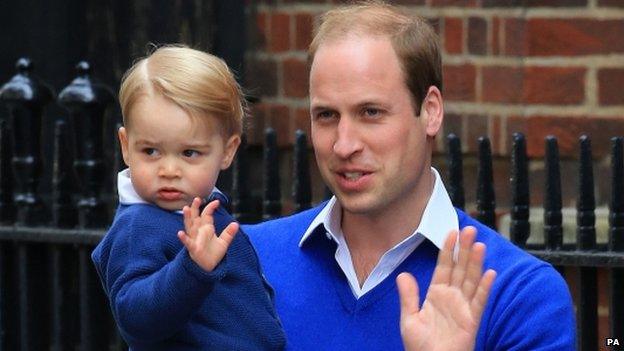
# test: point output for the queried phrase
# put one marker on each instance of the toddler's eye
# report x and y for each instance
(150, 151)
(190, 153)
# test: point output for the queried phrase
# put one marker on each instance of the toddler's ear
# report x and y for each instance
(230, 150)
(123, 141)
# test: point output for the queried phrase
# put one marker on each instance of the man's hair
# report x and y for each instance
(200, 83)
(413, 39)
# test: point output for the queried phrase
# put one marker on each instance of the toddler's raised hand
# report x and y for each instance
(199, 237)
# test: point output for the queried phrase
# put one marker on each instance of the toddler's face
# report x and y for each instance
(173, 157)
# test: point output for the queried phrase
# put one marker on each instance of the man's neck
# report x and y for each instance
(370, 235)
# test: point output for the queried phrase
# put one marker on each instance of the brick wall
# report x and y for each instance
(534, 66)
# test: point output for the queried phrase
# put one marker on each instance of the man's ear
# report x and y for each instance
(230, 150)
(123, 141)
(432, 110)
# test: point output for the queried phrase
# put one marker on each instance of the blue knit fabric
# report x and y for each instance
(162, 300)
(529, 307)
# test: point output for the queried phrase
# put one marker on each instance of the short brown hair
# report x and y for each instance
(413, 39)
(198, 82)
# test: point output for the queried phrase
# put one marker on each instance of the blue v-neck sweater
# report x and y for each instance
(529, 307)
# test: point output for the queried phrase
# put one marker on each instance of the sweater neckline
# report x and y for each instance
(417, 262)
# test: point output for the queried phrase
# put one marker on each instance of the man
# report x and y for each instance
(376, 106)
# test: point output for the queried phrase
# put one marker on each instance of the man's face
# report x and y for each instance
(371, 148)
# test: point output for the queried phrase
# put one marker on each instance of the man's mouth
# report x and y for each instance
(352, 175)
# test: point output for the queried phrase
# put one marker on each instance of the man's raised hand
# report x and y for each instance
(204, 246)
(450, 316)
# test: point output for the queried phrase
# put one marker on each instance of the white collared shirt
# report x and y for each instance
(127, 193)
(438, 219)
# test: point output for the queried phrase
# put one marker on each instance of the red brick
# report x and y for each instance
(453, 123)
(453, 35)
(564, 37)
(295, 78)
(459, 82)
(477, 36)
(536, 85)
(302, 121)
(266, 115)
(261, 76)
(515, 35)
(502, 3)
(462, 3)
(613, 3)
(555, 3)
(280, 32)
(496, 135)
(554, 85)
(610, 83)
(304, 23)
(568, 130)
(260, 34)
(502, 84)
(255, 125)
(494, 44)
(477, 126)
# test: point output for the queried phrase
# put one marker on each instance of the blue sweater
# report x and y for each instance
(529, 307)
(162, 300)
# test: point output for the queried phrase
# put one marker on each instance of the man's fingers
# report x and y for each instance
(444, 267)
(408, 294)
(466, 239)
(474, 270)
(483, 290)
(227, 235)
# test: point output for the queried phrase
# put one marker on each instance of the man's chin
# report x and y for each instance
(358, 204)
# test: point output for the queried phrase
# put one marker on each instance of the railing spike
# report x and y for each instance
(455, 171)
(520, 227)
(486, 203)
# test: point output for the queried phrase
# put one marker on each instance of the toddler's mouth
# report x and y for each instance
(169, 194)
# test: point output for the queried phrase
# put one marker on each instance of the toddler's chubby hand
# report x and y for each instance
(199, 237)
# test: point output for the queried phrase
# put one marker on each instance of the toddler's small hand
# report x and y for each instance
(199, 238)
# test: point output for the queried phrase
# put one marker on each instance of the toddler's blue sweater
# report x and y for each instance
(162, 300)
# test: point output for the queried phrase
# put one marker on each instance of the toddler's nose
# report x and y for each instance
(169, 169)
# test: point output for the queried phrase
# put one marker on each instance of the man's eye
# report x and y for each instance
(325, 115)
(150, 151)
(190, 153)
(372, 112)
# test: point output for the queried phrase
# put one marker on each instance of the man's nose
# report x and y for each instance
(348, 139)
(169, 168)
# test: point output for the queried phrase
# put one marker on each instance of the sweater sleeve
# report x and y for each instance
(149, 283)
(532, 312)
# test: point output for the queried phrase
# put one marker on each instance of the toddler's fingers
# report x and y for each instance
(195, 207)
(186, 212)
(206, 215)
(184, 238)
(228, 234)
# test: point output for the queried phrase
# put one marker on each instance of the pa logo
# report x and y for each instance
(612, 342)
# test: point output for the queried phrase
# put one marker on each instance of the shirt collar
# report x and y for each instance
(128, 195)
(438, 219)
